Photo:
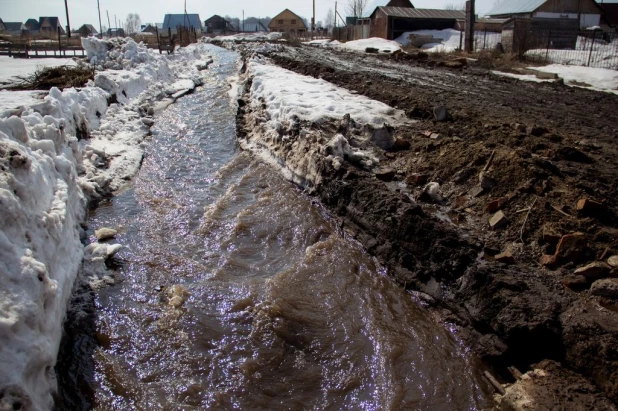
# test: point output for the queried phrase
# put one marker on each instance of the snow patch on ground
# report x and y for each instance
(13, 99)
(259, 36)
(55, 156)
(449, 40)
(11, 67)
(374, 42)
(592, 78)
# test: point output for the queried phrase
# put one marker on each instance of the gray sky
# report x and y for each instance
(85, 11)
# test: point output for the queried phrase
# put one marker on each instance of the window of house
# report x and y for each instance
(293, 21)
(280, 21)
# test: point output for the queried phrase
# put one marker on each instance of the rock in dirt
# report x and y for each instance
(385, 174)
(597, 269)
(498, 221)
(105, 233)
(588, 206)
(477, 191)
(537, 131)
(486, 182)
(607, 287)
(495, 205)
(570, 249)
(454, 64)
(505, 258)
(431, 193)
(417, 179)
(440, 113)
(401, 144)
(574, 155)
(613, 261)
(575, 282)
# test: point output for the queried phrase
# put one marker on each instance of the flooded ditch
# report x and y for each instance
(234, 290)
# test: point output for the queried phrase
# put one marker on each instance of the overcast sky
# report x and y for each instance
(85, 11)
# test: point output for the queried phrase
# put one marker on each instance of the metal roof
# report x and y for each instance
(515, 7)
(409, 13)
(14, 26)
(172, 21)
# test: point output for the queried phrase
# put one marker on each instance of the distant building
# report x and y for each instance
(400, 16)
(87, 30)
(287, 22)
(172, 22)
(13, 28)
(33, 26)
(50, 26)
(2, 27)
(218, 25)
(587, 11)
(116, 32)
(253, 27)
(152, 28)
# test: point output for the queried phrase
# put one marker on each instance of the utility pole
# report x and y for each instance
(100, 25)
(243, 21)
(313, 21)
(116, 23)
(469, 44)
(66, 6)
(109, 23)
(335, 14)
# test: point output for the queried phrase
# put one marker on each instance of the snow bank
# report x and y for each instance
(374, 42)
(297, 122)
(55, 156)
(288, 95)
(258, 36)
(13, 99)
(585, 77)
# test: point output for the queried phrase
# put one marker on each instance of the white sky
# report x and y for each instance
(85, 11)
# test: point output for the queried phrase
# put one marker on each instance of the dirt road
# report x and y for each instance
(536, 161)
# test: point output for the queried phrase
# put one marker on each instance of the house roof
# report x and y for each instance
(515, 7)
(53, 21)
(408, 13)
(90, 28)
(216, 17)
(32, 24)
(172, 21)
(288, 10)
(400, 3)
(14, 26)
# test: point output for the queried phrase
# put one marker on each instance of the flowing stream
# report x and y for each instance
(234, 290)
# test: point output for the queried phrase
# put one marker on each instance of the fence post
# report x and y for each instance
(460, 40)
(547, 48)
(484, 39)
(594, 34)
(59, 45)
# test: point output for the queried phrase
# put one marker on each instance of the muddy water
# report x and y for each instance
(271, 308)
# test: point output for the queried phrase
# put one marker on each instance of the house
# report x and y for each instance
(13, 28)
(152, 28)
(172, 22)
(33, 26)
(218, 25)
(588, 12)
(50, 26)
(116, 32)
(87, 30)
(253, 27)
(287, 21)
(400, 16)
(610, 13)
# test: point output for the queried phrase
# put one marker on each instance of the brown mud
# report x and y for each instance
(536, 149)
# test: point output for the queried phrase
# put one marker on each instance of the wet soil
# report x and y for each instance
(537, 149)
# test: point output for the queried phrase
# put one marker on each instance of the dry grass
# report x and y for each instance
(48, 77)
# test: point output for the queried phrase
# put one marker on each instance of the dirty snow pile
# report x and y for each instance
(55, 156)
(447, 40)
(382, 45)
(592, 78)
(291, 111)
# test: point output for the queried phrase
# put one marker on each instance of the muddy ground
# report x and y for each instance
(531, 151)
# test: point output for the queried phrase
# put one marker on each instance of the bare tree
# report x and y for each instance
(133, 23)
(453, 6)
(356, 8)
(329, 20)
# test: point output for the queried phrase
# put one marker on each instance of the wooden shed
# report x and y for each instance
(390, 22)
(287, 21)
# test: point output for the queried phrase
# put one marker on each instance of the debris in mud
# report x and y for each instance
(607, 287)
(498, 221)
(61, 77)
(595, 270)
